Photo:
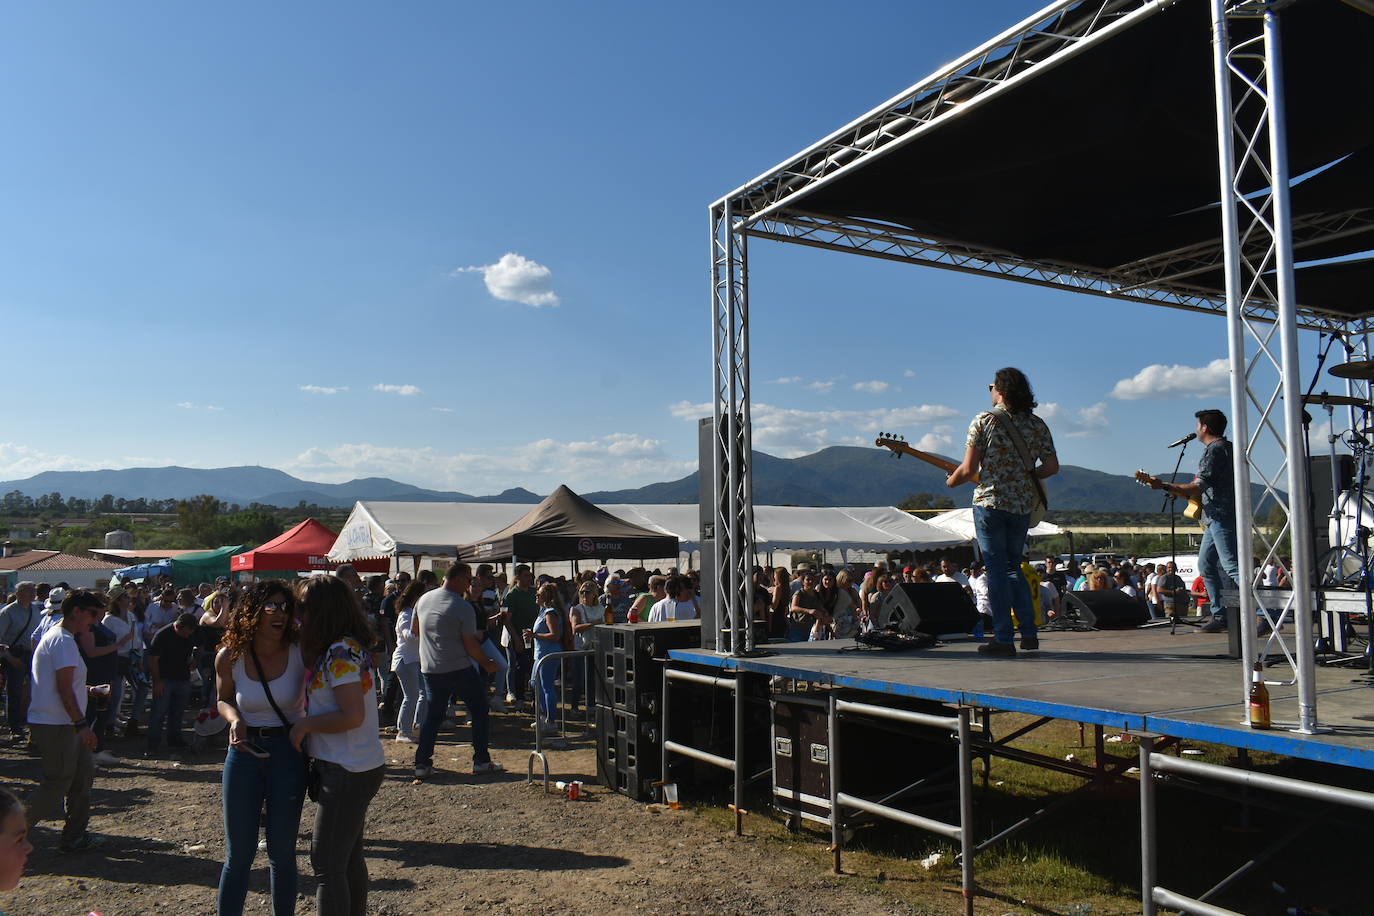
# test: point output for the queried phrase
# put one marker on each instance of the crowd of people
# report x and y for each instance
(306, 679)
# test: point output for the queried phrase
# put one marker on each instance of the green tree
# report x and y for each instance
(197, 516)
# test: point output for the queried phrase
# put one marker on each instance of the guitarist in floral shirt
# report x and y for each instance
(1002, 503)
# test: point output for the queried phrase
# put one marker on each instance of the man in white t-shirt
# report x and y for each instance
(681, 603)
(159, 614)
(950, 573)
(57, 722)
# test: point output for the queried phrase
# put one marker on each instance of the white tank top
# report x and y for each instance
(288, 690)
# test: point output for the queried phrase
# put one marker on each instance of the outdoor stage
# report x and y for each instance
(1180, 686)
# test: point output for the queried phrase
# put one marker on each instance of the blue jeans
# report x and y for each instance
(518, 664)
(168, 709)
(413, 705)
(1216, 556)
(139, 682)
(248, 782)
(465, 684)
(547, 688)
(1002, 540)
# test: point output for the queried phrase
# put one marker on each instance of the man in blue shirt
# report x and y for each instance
(1214, 486)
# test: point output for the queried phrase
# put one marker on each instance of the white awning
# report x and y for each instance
(384, 529)
(960, 521)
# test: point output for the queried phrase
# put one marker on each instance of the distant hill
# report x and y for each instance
(836, 476)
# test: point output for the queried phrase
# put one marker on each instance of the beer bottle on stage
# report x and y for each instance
(609, 617)
(1259, 699)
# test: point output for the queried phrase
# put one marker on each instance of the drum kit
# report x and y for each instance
(1346, 565)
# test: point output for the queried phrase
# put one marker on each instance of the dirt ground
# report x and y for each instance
(454, 844)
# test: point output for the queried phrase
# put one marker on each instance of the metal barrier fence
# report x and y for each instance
(725, 763)
(963, 831)
(539, 719)
(1151, 762)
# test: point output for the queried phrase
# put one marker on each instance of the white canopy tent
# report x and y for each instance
(390, 529)
(960, 522)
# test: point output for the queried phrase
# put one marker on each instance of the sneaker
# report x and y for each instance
(423, 772)
(403, 738)
(491, 766)
(1215, 625)
(105, 758)
(997, 649)
(82, 843)
(1030, 643)
(510, 698)
(496, 704)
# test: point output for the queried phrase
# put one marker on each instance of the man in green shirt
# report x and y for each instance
(520, 616)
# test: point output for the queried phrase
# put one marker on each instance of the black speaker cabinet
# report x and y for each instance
(928, 607)
(1319, 482)
(1108, 610)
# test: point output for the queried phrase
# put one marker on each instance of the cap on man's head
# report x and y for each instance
(222, 580)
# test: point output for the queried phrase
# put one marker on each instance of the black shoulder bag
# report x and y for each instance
(312, 773)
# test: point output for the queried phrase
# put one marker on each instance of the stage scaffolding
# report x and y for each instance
(1245, 274)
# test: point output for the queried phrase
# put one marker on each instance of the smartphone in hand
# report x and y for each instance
(248, 747)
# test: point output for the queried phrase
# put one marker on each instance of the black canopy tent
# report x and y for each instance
(567, 527)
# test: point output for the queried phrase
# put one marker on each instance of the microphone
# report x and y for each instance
(1184, 441)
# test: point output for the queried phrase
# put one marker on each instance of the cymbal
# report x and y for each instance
(1321, 399)
(1361, 369)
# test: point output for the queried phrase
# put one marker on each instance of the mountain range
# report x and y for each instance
(836, 476)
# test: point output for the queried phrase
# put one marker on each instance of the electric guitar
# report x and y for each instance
(900, 447)
(1194, 508)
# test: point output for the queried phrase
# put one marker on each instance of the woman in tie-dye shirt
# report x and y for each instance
(340, 731)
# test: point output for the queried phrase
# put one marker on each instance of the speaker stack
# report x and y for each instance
(629, 683)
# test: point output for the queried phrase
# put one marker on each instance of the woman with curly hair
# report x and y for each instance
(342, 730)
(261, 678)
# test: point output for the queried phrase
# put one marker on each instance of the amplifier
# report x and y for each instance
(877, 757)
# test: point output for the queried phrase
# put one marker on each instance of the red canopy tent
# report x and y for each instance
(304, 547)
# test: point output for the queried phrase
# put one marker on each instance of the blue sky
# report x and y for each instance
(464, 246)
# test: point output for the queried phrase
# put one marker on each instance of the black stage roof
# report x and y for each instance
(1107, 161)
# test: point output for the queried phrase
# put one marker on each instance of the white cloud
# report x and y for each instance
(322, 389)
(787, 380)
(788, 432)
(1083, 423)
(821, 386)
(405, 391)
(443, 409)
(874, 387)
(18, 461)
(934, 442)
(517, 279)
(212, 407)
(909, 373)
(606, 462)
(1161, 381)
(186, 405)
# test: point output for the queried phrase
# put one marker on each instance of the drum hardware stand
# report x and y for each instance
(1361, 449)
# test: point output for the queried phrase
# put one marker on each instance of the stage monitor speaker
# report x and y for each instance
(928, 607)
(1319, 481)
(1108, 610)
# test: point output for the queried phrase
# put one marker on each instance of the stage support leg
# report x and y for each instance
(965, 806)
(739, 753)
(836, 816)
(1257, 250)
(732, 485)
(1147, 828)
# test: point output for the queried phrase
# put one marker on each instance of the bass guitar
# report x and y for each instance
(899, 447)
(1193, 509)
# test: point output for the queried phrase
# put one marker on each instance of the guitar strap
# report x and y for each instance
(1004, 422)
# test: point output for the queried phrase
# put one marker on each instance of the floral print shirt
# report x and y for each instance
(1003, 482)
(358, 750)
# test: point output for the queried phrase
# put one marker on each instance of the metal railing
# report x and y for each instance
(1152, 895)
(539, 719)
(725, 763)
(963, 831)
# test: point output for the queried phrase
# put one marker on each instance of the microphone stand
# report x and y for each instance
(1171, 503)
